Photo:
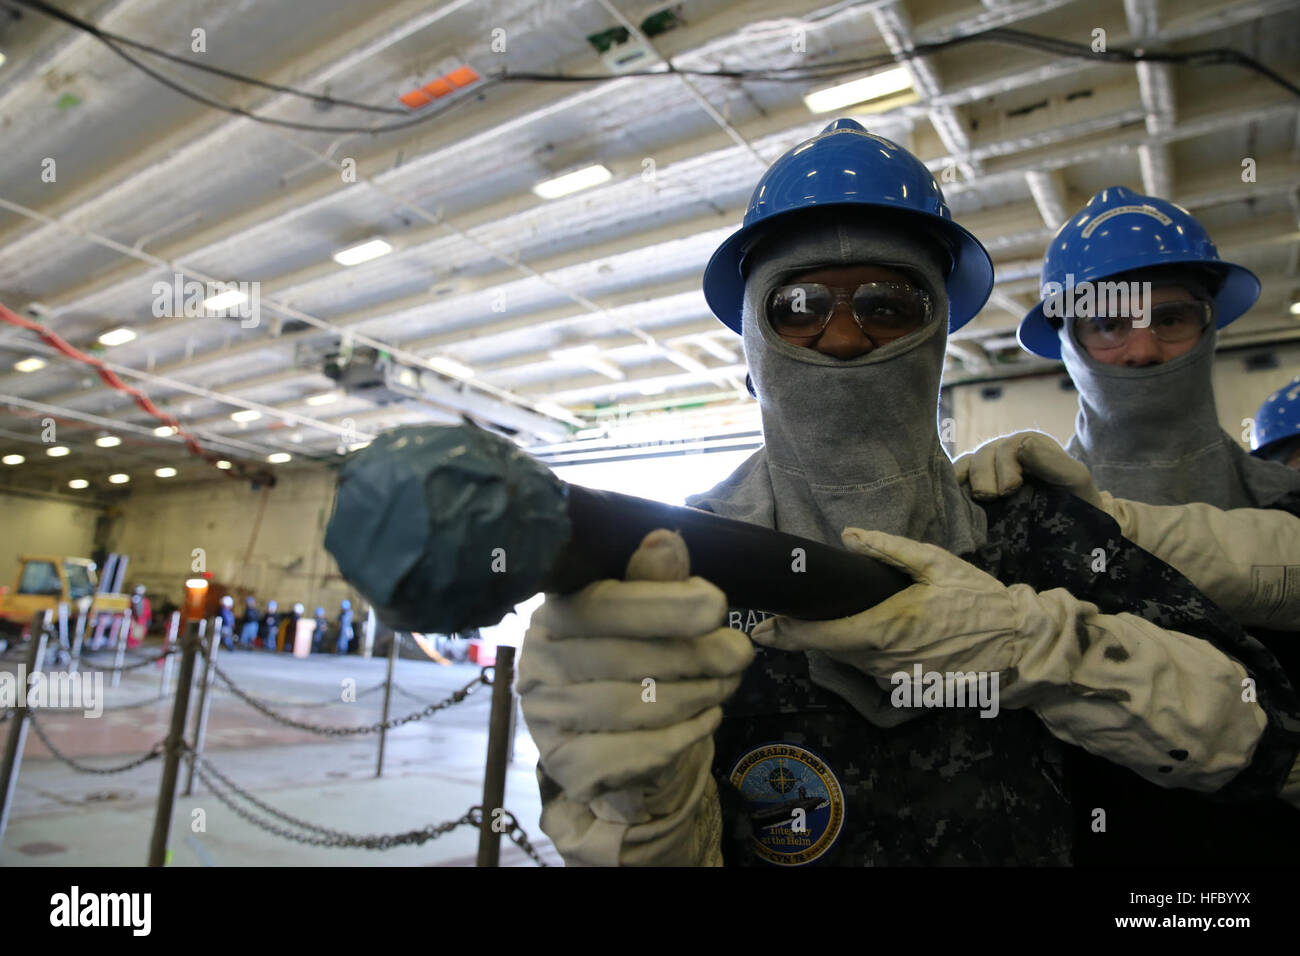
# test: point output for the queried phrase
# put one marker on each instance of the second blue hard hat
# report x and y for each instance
(1118, 231)
(846, 168)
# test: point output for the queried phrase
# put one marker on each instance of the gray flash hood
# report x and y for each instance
(1153, 435)
(848, 443)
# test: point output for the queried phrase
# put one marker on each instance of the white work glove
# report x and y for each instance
(632, 759)
(1246, 560)
(997, 467)
(1114, 684)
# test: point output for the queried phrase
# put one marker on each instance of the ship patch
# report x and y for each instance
(794, 802)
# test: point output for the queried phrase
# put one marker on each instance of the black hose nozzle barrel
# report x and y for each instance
(446, 528)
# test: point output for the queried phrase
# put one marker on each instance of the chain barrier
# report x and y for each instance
(338, 838)
(375, 728)
(517, 835)
(403, 691)
(328, 838)
(153, 754)
(135, 665)
(137, 703)
(323, 703)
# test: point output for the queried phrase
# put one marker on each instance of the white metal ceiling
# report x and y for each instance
(151, 183)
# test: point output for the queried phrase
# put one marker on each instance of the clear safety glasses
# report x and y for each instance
(1171, 323)
(883, 310)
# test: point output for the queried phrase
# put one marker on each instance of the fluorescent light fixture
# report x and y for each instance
(162, 431)
(224, 300)
(197, 583)
(58, 451)
(551, 408)
(583, 178)
(358, 445)
(449, 366)
(78, 483)
(30, 364)
(649, 389)
(108, 441)
(279, 457)
(116, 337)
(119, 478)
(325, 398)
(223, 465)
(13, 459)
(871, 87)
(165, 472)
(247, 415)
(362, 252)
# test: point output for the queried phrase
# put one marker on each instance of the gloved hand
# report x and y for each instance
(1116, 685)
(997, 467)
(1241, 559)
(625, 766)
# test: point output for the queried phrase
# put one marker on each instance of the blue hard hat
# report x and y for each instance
(1118, 231)
(1277, 419)
(346, 605)
(845, 167)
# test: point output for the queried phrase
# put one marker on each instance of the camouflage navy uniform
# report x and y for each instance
(951, 787)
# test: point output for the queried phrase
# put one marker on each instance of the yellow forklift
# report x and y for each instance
(44, 581)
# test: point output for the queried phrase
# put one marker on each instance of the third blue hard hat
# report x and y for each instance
(1118, 231)
(1277, 419)
(846, 168)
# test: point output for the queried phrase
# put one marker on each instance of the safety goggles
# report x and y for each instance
(1171, 323)
(883, 310)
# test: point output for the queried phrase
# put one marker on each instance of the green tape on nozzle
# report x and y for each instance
(446, 528)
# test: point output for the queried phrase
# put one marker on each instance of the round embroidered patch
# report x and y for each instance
(794, 802)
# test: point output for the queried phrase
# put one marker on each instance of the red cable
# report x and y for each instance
(111, 379)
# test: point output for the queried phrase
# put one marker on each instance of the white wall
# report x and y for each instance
(1041, 403)
(42, 526)
(160, 528)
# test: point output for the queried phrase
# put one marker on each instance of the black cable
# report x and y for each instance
(1042, 44)
(105, 36)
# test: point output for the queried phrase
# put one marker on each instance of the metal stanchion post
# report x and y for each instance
(388, 696)
(510, 733)
(47, 626)
(80, 634)
(64, 646)
(201, 716)
(368, 633)
(13, 755)
(172, 756)
(123, 632)
(172, 632)
(494, 779)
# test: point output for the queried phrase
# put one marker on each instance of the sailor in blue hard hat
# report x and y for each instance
(1133, 294)
(1276, 435)
(843, 282)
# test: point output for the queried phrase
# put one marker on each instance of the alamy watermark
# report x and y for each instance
(193, 299)
(75, 908)
(1087, 300)
(946, 689)
(53, 690)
